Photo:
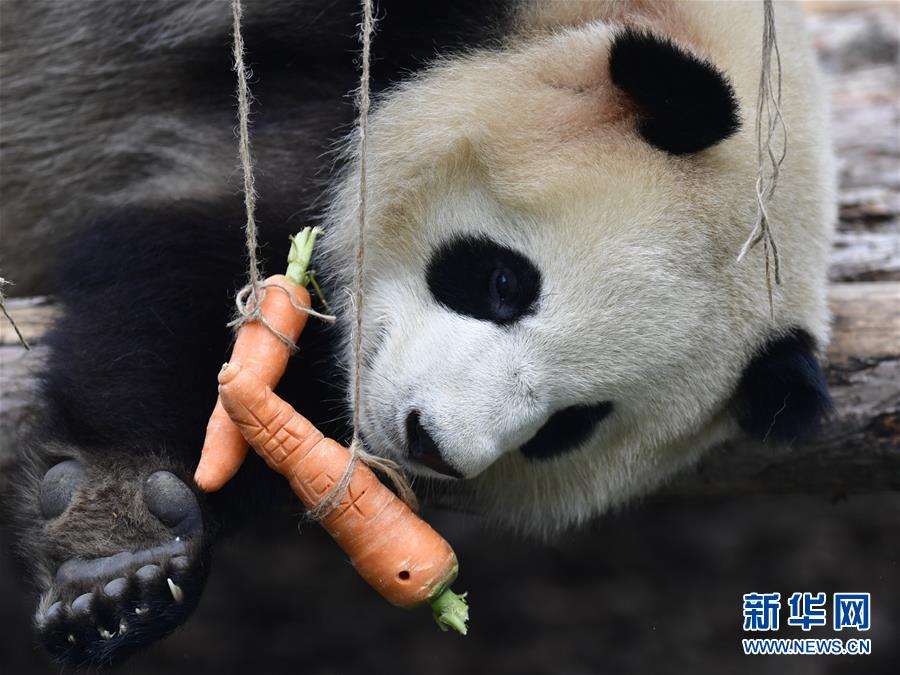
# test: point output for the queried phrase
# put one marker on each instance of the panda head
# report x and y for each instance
(553, 316)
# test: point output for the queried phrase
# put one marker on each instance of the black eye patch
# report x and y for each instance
(477, 277)
(566, 430)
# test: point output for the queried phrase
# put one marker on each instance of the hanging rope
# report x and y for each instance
(390, 469)
(768, 106)
(243, 92)
(249, 299)
(4, 282)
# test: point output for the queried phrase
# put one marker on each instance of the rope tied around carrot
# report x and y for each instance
(249, 302)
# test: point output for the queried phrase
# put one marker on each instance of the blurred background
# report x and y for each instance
(653, 588)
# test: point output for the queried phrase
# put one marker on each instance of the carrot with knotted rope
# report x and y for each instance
(395, 551)
(259, 347)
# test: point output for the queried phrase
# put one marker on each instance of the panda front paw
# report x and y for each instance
(125, 563)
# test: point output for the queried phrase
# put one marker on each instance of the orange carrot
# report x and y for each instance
(259, 349)
(395, 551)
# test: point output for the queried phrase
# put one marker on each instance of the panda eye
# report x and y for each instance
(503, 286)
(477, 277)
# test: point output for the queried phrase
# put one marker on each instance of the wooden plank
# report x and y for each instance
(865, 322)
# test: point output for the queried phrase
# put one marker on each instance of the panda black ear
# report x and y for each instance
(783, 395)
(685, 103)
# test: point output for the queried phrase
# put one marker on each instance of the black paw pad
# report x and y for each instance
(59, 486)
(172, 502)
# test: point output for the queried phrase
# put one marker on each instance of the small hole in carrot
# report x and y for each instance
(404, 575)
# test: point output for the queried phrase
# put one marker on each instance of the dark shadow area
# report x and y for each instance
(656, 588)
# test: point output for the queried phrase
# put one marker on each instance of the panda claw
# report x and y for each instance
(105, 634)
(71, 639)
(175, 590)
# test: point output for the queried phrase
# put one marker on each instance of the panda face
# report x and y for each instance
(495, 333)
(493, 291)
(554, 319)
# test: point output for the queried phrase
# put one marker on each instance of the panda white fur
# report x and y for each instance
(635, 320)
(555, 320)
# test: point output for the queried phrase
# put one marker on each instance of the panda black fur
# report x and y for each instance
(555, 312)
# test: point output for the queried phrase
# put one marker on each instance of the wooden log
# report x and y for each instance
(32, 315)
(858, 451)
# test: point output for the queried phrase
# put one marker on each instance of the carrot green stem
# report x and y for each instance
(300, 254)
(451, 611)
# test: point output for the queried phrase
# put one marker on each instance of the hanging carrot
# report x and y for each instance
(258, 348)
(395, 551)
(400, 555)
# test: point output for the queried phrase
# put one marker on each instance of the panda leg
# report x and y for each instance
(117, 545)
(115, 534)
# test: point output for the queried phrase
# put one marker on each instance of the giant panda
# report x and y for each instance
(555, 317)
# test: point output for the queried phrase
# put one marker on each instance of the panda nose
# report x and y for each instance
(424, 449)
